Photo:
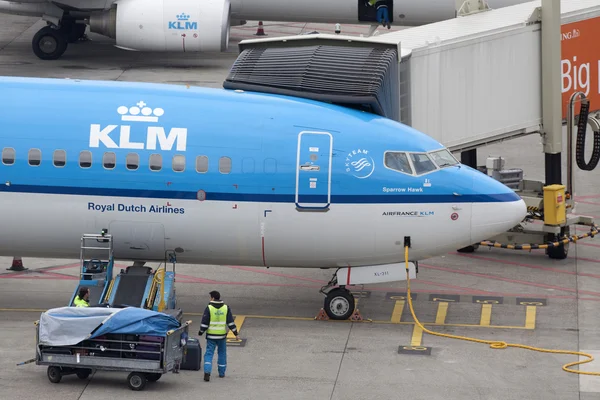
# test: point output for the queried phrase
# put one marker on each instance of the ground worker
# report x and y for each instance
(217, 317)
(382, 11)
(83, 298)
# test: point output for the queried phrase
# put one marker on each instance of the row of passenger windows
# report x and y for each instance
(420, 163)
(109, 160)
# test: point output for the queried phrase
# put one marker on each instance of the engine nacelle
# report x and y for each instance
(166, 25)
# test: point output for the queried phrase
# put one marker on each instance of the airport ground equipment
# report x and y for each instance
(550, 203)
(96, 264)
(80, 340)
(134, 286)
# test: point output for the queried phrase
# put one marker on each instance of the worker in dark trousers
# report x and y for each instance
(217, 317)
(382, 11)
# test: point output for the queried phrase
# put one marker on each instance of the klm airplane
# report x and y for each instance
(232, 177)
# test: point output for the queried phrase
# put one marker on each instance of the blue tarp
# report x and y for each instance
(137, 321)
(67, 326)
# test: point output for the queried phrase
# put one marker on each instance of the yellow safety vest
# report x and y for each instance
(80, 302)
(218, 318)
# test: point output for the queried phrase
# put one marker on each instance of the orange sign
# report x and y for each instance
(580, 64)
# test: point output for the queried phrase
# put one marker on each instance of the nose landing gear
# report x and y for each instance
(339, 303)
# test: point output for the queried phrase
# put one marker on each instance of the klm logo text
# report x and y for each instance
(183, 25)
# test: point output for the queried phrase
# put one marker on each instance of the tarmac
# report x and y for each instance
(494, 294)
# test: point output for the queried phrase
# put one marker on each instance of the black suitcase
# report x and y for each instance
(192, 360)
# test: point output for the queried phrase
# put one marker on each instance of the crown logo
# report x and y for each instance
(133, 113)
(183, 17)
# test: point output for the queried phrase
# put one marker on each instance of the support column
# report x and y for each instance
(551, 90)
(469, 158)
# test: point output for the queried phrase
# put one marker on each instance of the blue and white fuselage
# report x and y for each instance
(229, 177)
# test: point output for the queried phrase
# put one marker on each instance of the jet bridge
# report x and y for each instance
(466, 82)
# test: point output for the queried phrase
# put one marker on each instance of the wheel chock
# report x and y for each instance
(322, 316)
(356, 316)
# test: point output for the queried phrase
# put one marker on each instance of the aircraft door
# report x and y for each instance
(313, 171)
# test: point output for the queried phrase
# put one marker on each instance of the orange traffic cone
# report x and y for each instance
(17, 265)
(260, 31)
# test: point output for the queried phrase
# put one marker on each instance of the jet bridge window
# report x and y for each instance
(35, 157)
(398, 162)
(201, 164)
(155, 162)
(132, 160)
(109, 160)
(178, 163)
(422, 163)
(8, 156)
(59, 158)
(443, 158)
(224, 165)
(85, 159)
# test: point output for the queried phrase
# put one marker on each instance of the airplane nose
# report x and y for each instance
(491, 219)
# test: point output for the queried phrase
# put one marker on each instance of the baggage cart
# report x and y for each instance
(145, 357)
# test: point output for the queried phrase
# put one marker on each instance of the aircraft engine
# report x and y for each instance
(166, 25)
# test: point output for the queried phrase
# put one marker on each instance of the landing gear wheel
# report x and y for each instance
(153, 377)
(561, 252)
(54, 374)
(49, 43)
(83, 373)
(137, 381)
(339, 304)
(469, 249)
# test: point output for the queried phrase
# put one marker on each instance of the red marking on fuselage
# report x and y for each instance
(263, 251)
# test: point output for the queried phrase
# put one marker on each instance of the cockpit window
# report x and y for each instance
(398, 162)
(422, 163)
(443, 158)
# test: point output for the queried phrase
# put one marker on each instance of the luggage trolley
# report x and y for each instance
(145, 357)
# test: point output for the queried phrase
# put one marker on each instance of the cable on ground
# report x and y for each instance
(495, 344)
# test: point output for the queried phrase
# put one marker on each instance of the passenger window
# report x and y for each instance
(443, 158)
(422, 163)
(178, 163)
(398, 162)
(8, 156)
(109, 160)
(132, 161)
(202, 164)
(155, 162)
(248, 165)
(35, 157)
(59, 158)
(85, 159)
(224, 165)
(270, 166)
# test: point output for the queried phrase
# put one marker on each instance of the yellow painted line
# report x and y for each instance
(442, 310)
(486, 315)
(239, 321)
(397, 312)
(530, 314)
(417, 336)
